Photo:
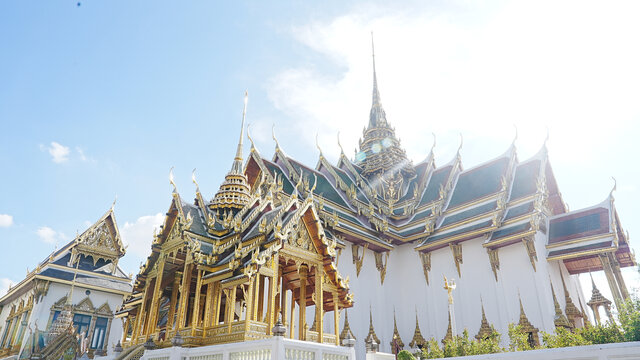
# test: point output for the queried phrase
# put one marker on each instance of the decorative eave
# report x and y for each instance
(418, 341)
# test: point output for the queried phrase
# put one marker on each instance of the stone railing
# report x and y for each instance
(265, 349)
(626, 351)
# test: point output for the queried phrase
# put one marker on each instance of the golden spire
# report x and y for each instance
(234, 191)
(449, 334)
(396, 335)
(526, 325)
(418, 340)
(559, 320)
(346, 329)
(372, 332)
(570, 309)
(485, 329)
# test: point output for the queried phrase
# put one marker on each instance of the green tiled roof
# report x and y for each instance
(457, 232)
(507, 231)
(467, 214)
(479, 182)
(432, 192)
(519, 210)
(576, 225)
(524, 180)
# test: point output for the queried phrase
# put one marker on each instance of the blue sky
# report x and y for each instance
(102, 99)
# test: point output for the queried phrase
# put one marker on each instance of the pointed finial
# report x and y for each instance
(340, 145)
(546, 137)
(461, 142)
(515, 137)
(273, 135)
(171, 181)
(434, 141)
(615, 185)
(315, 182)
(113, 205)
(193, 178)
(318, 146)
(253, 146)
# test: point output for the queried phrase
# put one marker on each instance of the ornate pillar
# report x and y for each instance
(249, 301)
(184, 296)
(196, 304)
(608, 271)
(256, 297)
(141, 315)
(292, 322)
(304, 271)
(273, 287)
(218, 300)
(260, 315)
(319, 303)
(619, 279)
(336, 319)
(283, 300)
(175, 290)
(157, 295)
(208, 302)
(232, 306)
(125, 328)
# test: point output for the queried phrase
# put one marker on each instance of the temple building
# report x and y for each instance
(82, 283)
(373, 236)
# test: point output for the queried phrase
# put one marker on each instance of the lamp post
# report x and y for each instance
(450, 285)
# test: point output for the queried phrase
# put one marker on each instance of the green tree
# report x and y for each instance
(432, 350)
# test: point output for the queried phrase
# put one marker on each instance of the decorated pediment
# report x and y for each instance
(85, 305)
(104, 309)
(100, 241)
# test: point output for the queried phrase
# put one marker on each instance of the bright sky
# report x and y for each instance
(103, 98)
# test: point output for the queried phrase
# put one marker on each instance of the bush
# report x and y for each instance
(629, 316)
(432, 350)
(563, 338)
(405, 355)
(518, 339)
(602, 334)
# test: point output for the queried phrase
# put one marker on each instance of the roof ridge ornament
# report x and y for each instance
(318, 146)
(273, 135)
(615, 186)
(113, 205)
(253, 146)
(513, 143)
(171, 180)
(193, 178)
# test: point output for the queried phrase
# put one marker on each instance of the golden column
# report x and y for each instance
(302, 301)
(175, 290)
(184, 296)
(336, 318)
(196, 304)
(319, 303)
(273, 288)
(157, 295)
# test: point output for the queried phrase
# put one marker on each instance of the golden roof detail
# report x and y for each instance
(417, 340)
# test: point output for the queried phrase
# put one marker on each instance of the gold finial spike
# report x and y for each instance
(273, 135)
(340, 145)
(434, 141)
(318, 146)
(515, 137)
(253, 146)
(615, 185)
(171, 180)
(113, 205)
(546, 137)
(193, 178)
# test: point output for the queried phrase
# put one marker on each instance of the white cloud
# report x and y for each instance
(59, 153)
(471, 70)
(6, 220)
(139, 234)
(50, 236)
(4, 285)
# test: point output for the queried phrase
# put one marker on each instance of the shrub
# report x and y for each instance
(518, 339)
(629, 317)
(602, 334)
(432, 350)
(563, 338)
(405, 355)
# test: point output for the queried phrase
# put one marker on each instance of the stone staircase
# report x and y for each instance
(131, 353)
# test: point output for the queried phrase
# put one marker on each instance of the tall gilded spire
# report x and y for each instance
(234, 191)
(377, 116)
(380, 152)
(237, 161)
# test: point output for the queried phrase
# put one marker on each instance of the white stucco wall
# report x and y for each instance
(406, 291)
